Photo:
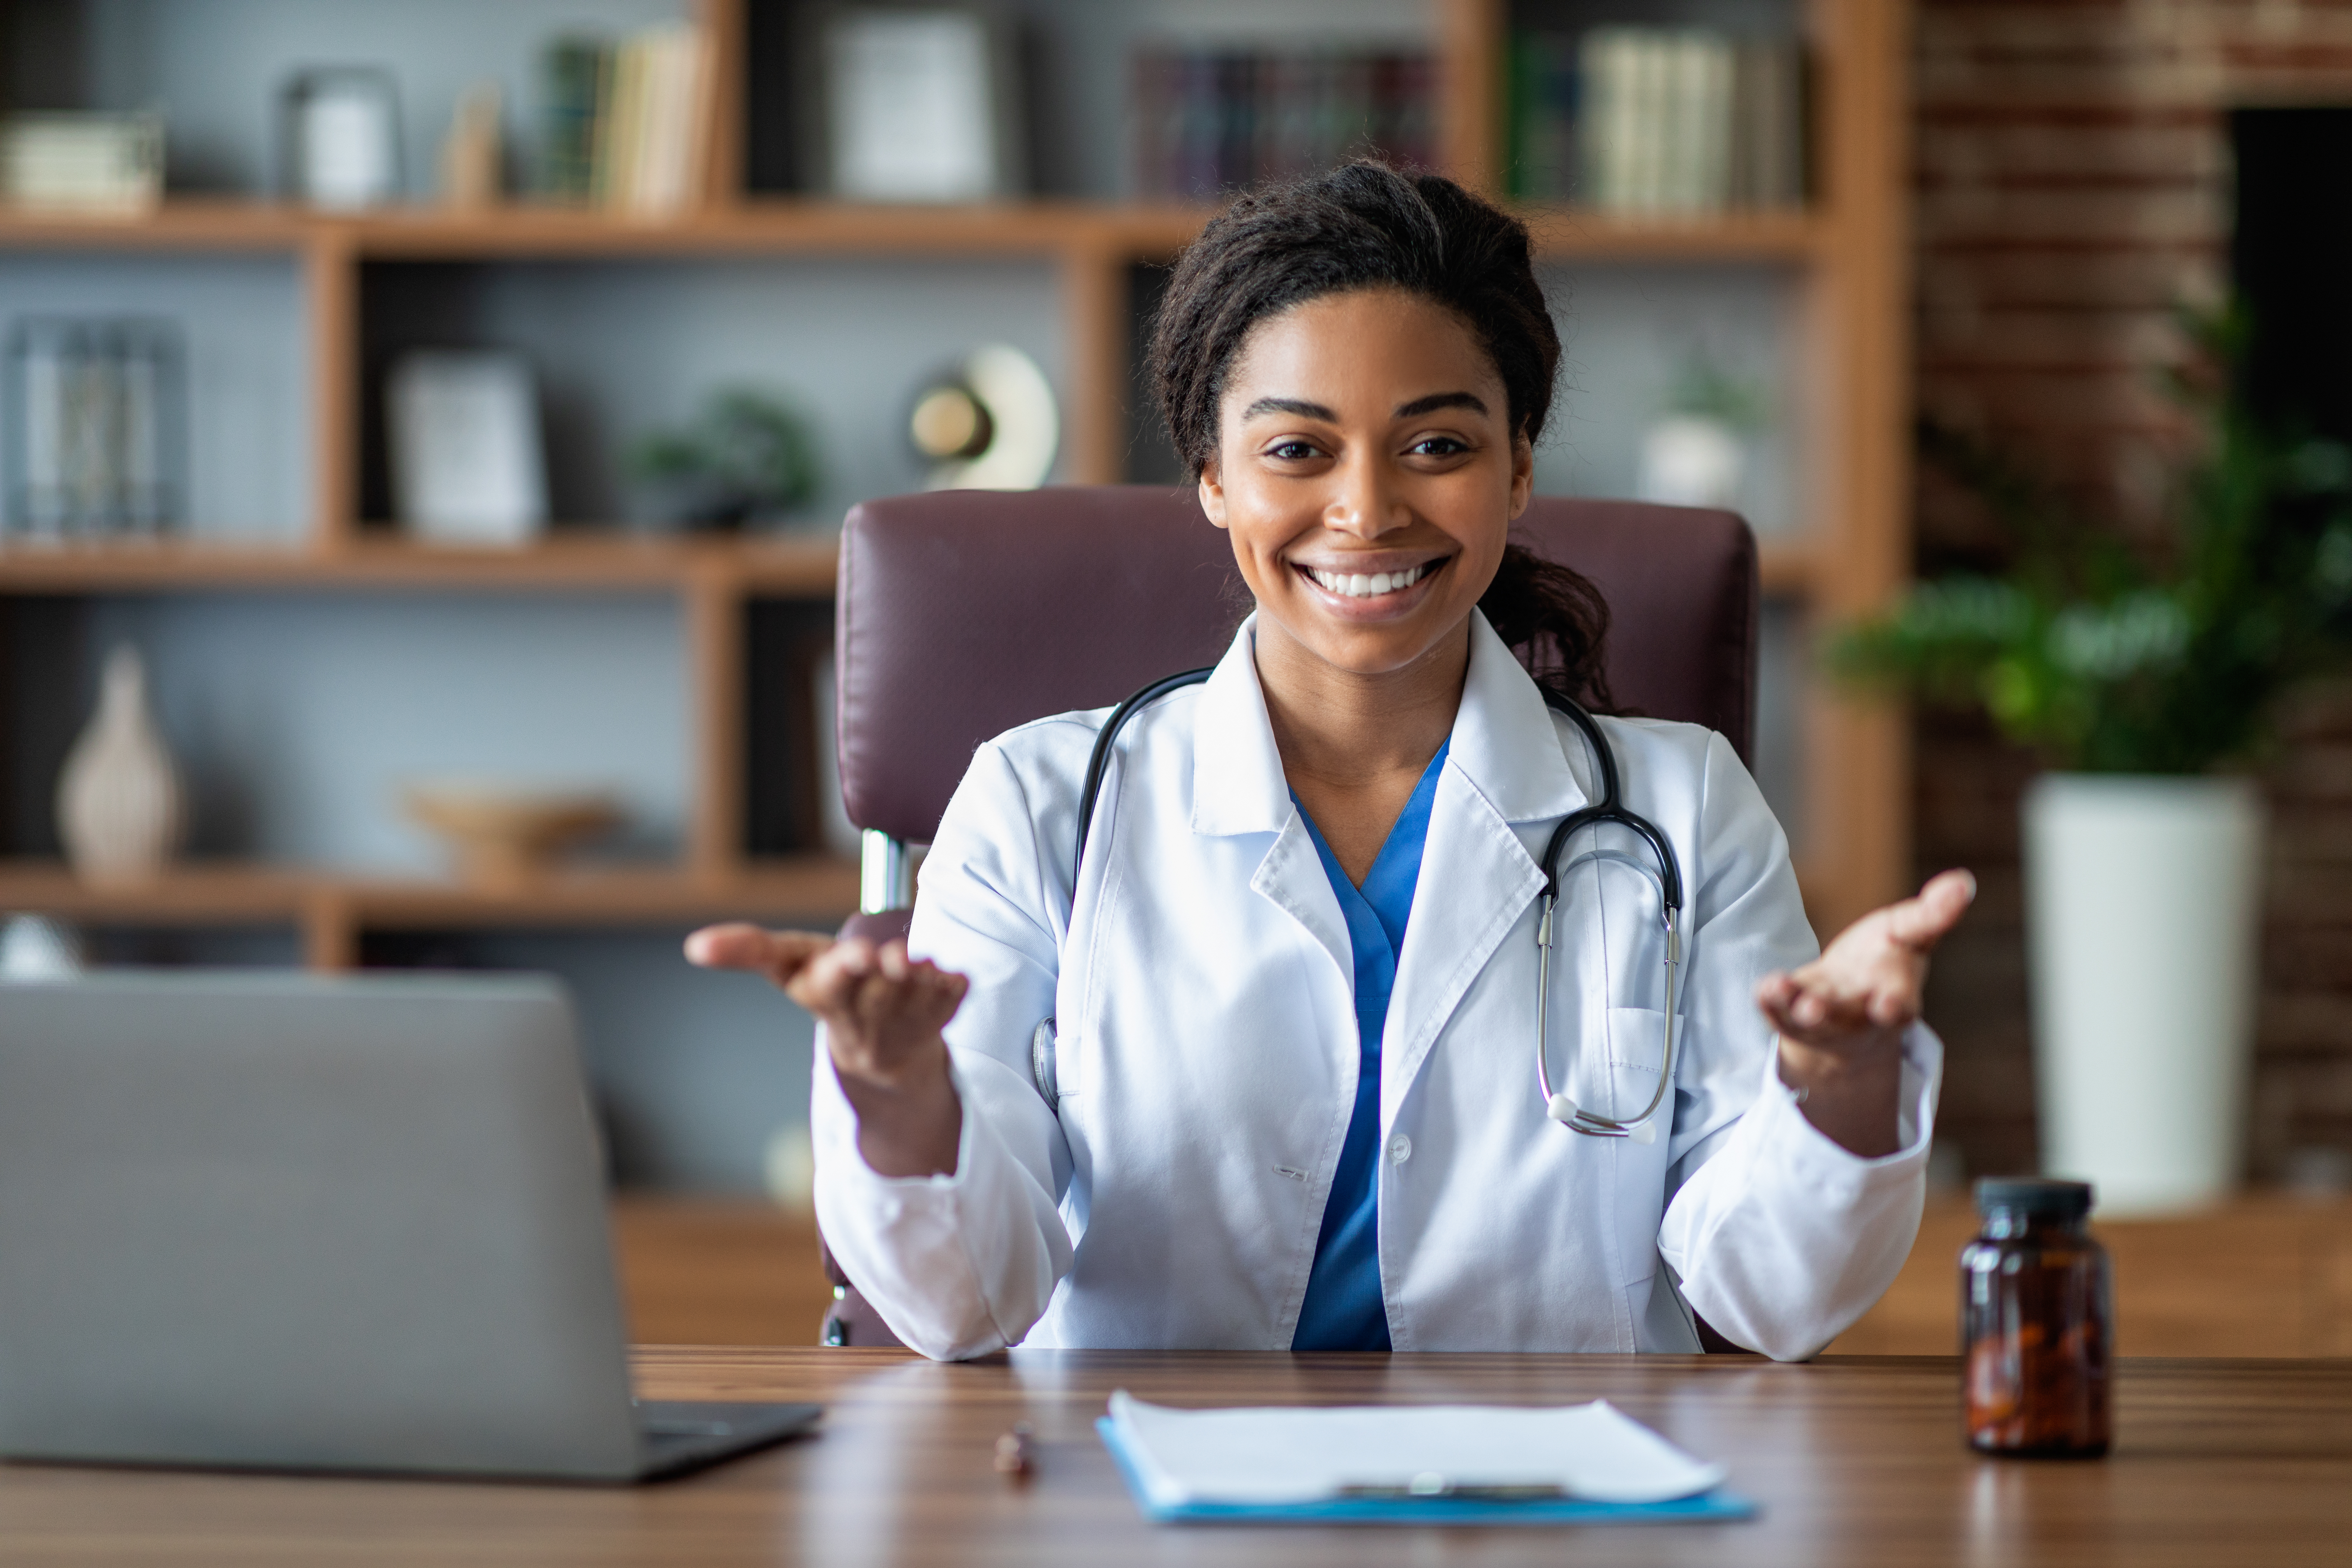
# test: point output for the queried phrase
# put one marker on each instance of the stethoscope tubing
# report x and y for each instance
(1609, 810)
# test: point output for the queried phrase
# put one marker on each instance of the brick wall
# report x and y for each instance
(2073, 190)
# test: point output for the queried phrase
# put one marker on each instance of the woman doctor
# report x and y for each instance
(1293, 979)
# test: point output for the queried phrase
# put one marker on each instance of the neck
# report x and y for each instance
(1348, 729)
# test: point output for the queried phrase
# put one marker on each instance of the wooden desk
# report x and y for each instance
(2263, 1275)
(1855, 1461)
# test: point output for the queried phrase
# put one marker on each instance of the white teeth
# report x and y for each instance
(1358, 585)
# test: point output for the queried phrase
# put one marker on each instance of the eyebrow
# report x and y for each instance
(1299, 407)
(1413, 410)
(1437, 400)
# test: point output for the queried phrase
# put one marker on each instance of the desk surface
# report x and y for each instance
(1856, 1462)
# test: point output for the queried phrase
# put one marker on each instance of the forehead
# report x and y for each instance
(1376, 345)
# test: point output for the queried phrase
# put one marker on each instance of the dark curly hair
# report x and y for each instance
(1367, 225)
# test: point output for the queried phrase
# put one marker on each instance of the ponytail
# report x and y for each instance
(1556, 621)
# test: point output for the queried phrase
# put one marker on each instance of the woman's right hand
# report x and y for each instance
(882, 1013)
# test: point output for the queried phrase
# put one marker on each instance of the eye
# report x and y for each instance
(1439, 447)
(1292, 451)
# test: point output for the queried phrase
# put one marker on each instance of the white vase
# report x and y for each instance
(1690, 459)
(119, 809)
(2143, 902)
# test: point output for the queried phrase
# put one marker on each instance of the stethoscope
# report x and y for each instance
(1610, 809)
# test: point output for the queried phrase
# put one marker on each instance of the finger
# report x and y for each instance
(891, 959)
(830, 984)
(1893, 1007)
(732, 946)
(824, 987)
(1918, 923)
(778, 953)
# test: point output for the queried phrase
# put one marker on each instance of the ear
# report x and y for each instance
(1523, 473)
(1213, 493)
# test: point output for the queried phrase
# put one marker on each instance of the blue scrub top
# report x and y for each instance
(1343, 1310)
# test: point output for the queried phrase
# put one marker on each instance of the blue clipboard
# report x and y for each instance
(1706, 1507)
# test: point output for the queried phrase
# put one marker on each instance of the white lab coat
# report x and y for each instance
(1208, 1053)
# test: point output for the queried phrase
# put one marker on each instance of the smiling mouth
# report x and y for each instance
(1367, 585)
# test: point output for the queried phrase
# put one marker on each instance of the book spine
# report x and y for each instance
(1711, 124)
(620, 144)
(573, 78)
(1202, 117)
(1652, 120)
(1148, 147)
(1613, 68)
(694, 102)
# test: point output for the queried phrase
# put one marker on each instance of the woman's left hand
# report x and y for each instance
(1840, 1017)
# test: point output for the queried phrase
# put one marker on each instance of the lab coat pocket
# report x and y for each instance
(1635, 1044)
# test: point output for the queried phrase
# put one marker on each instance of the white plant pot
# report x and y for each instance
(2143, 899)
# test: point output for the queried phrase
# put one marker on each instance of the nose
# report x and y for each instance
(1365, 500)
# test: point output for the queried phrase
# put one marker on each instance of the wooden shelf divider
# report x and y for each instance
(786, 226)
(229, 894)
(797, 565)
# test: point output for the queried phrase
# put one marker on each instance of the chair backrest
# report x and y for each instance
(962, 614)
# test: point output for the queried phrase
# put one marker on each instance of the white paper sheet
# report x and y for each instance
(1283, 1455)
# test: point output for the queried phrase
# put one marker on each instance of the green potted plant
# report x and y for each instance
(747, 457)
(2148, 680)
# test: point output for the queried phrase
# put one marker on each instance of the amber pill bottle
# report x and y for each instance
(2037, 1321)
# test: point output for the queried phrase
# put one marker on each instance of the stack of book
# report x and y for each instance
(1210, 121)
(1658, 121)
(110, 164)
(623, 125)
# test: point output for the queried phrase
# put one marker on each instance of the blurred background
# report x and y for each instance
(425, 429)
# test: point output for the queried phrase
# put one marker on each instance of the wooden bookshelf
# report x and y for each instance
(1852, 244)
(1848, 245)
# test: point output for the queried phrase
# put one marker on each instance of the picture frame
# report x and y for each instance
(340, 138)
(467, 464)
(914, 104)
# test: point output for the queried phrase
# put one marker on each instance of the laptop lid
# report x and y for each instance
(273, 1220)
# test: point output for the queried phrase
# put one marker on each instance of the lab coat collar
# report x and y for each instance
(1503, 744)
(1238, 784)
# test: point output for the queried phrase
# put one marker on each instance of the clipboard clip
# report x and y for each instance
(1432, 1484)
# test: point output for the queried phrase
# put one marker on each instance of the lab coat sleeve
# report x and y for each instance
(1779, 1238)
(962, 1264)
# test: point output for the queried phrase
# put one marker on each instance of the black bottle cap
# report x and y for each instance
(2034, 1195)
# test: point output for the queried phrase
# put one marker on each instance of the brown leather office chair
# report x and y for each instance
(961, 613)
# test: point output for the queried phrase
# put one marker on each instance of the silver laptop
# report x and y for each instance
(266, 1220)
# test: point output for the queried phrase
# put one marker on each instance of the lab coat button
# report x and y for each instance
(1400, 1149)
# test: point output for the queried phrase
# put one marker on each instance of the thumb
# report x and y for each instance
(1920, 922)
